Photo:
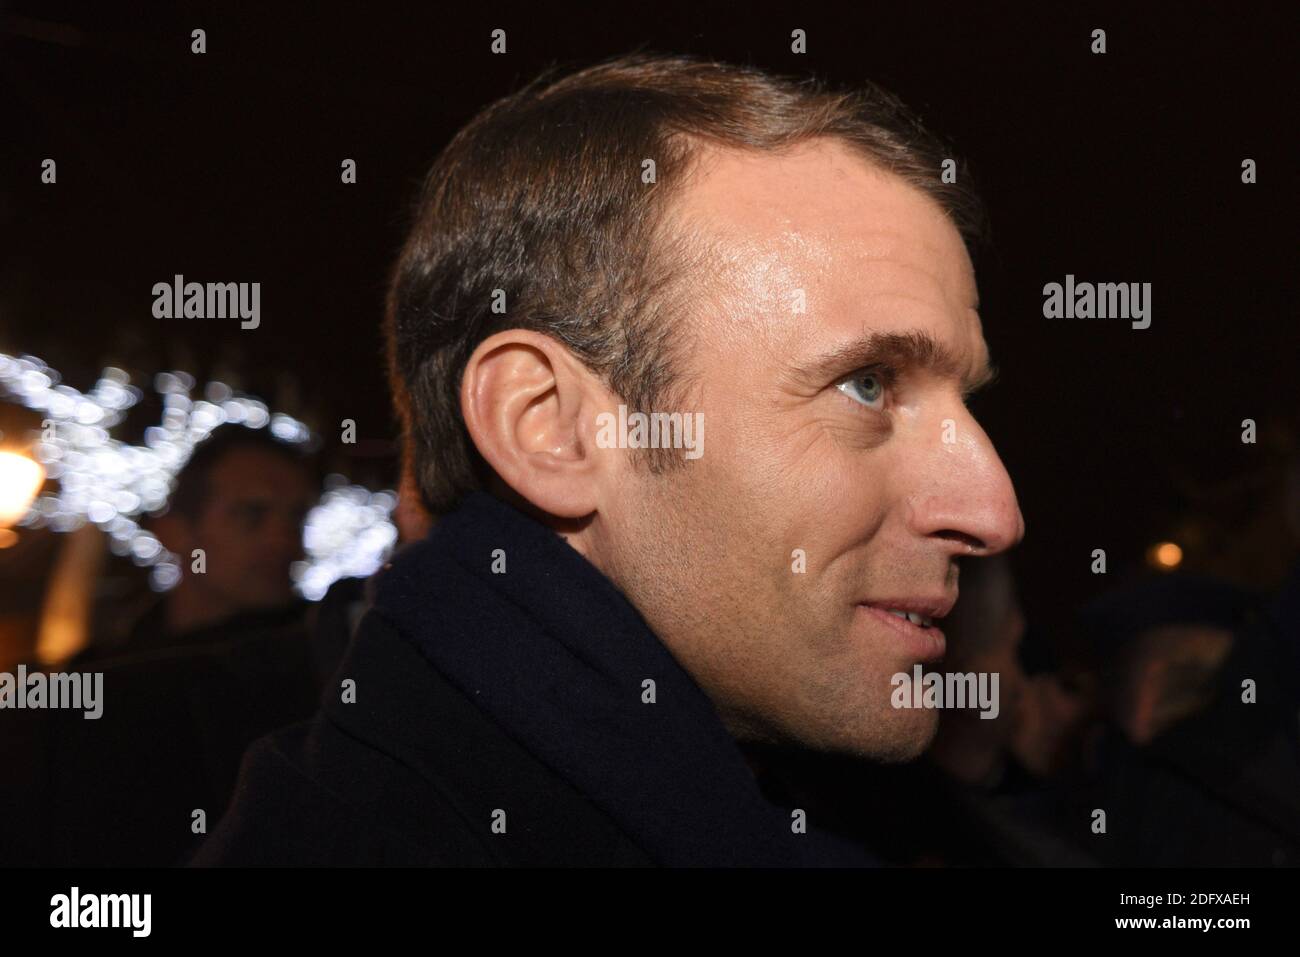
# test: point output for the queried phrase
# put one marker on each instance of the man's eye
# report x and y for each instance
(866, 388)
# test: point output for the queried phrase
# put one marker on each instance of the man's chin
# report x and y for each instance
(900, 736)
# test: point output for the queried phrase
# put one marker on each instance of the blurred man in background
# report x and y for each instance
(221, 659)
(1196, 763)
(236, 513)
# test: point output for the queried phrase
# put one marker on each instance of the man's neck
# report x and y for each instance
(188, 608)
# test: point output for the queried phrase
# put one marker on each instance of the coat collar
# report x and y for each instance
(561, 660)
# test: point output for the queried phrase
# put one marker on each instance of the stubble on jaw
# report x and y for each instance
(679, 549)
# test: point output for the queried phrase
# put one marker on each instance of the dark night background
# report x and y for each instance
(1121, 167)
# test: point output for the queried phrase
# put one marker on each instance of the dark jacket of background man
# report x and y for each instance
(178, 711)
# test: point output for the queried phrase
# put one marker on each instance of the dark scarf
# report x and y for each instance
(556, 655)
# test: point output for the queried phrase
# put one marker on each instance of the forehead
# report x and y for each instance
(257, 472)
(864, 248)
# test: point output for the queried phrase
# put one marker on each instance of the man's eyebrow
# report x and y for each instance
(900, 351)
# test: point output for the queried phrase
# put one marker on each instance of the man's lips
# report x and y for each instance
(932, 607)
(913, 619)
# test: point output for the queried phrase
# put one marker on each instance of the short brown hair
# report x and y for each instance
(193, 485)
(541, 196)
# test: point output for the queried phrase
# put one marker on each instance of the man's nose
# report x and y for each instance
(964, 494)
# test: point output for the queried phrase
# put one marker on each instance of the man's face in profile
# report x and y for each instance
(838, 433)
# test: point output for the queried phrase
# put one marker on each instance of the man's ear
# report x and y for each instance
(530, 408)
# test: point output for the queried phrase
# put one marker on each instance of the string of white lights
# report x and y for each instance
(111, 483)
